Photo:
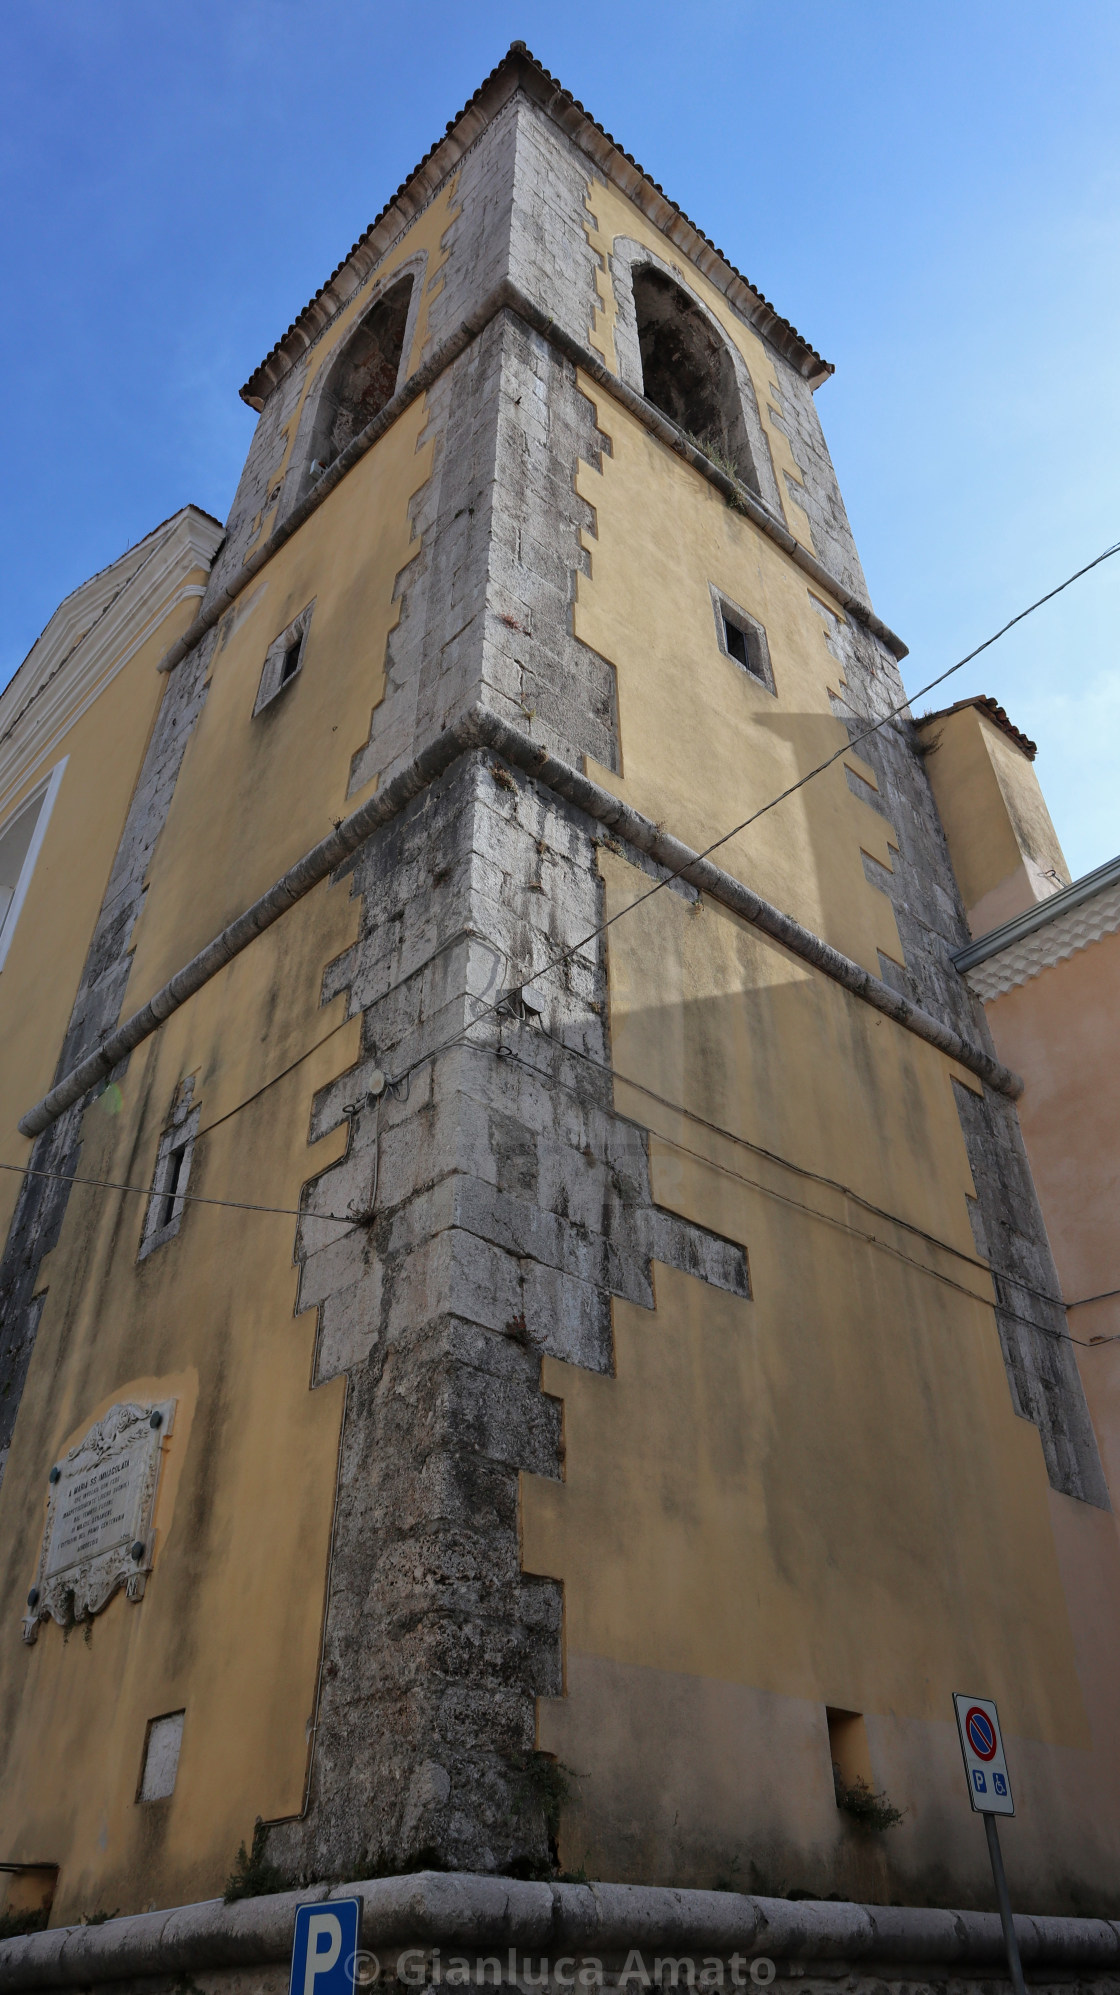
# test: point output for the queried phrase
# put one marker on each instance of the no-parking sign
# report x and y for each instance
(989, 1788)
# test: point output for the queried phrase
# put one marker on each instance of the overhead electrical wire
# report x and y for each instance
(363, 1217)
(186, 1197)
(566, 955)
(830, 1219)
(847, 748)
(797, 1170)
(495, 1009)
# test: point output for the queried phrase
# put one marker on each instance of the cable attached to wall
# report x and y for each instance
(848, 748)
(380, 1086)
(507, 1052)
(183, 1197)
(517, 994)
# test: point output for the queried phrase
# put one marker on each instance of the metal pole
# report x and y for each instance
(1004, 1902)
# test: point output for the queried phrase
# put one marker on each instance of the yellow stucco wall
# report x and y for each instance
(1060, 1027)
(230, 1626)
(821, 1496)
(1002, 843)
(255, 793)
(104, 748)
(703, 742)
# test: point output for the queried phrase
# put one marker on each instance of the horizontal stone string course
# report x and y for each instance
(477, 1915)
(507, 297)
(482, 729)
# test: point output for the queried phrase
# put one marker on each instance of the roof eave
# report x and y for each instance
(1040, 916)
(989, 707)
(519, 70)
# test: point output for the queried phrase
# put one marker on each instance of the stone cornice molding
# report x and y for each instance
(519, 70)
(479, 728)
(1045, 935)
(507, 296)
(478, 1914)
(91, 637)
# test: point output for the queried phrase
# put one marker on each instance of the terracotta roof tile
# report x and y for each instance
(992, 711)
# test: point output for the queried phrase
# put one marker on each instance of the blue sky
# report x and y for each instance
(929, 192)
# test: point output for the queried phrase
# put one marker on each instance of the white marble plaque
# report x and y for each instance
(99, 1508)
(99, 1516)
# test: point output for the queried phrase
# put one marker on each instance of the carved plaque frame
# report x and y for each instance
(98, 1534)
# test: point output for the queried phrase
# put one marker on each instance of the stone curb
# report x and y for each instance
(431, 1908)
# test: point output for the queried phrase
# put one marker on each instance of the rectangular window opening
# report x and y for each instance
(851, 1755)
(167, 1200)
(742, 638)
(737, 644)
(162, 1745)
(27, 1888)
(746, 648)
(174, 1183)
(283, 659)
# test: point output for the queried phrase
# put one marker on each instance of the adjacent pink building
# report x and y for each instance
(1046, 962)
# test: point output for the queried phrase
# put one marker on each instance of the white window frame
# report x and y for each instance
(47, 791)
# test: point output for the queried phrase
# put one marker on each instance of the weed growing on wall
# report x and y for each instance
(711, 450)
(545, 1786)
(871, 1811)
(14, 1924)
(252, 1875)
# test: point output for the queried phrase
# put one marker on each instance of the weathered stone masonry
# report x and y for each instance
(512, 1204)
(1007, 1223)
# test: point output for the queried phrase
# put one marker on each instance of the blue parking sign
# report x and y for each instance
(325, 1947)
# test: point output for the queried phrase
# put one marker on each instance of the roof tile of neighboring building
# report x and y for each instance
(1044, 935)
(519, 67)
(992, 711)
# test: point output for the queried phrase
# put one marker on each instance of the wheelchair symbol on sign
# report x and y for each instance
(999, 1782)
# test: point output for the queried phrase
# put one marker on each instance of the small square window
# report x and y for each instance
(848, 1750)
(167, 1200)
(161, 1757)
(283, 659)
(743, 638)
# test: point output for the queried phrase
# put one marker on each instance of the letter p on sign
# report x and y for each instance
(325, 1948)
